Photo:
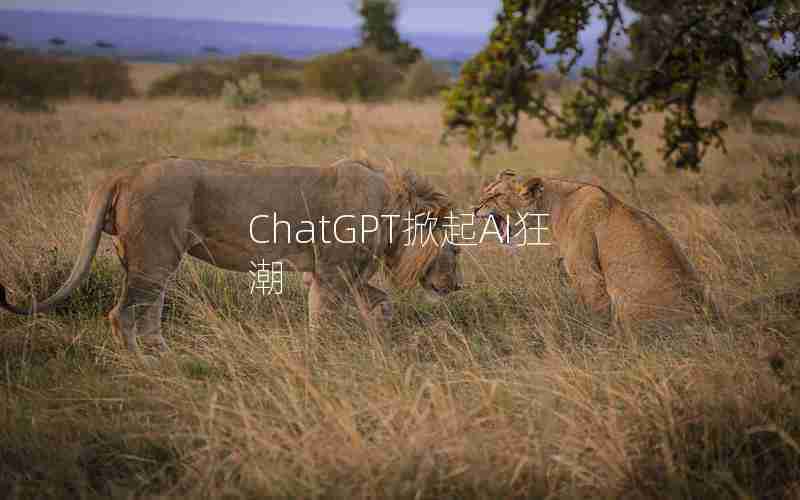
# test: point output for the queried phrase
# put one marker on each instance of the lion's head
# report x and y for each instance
(427, 256)
(434, 265)
(507, 199)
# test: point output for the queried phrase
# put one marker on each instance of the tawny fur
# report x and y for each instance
(621, 260)
(161, 211)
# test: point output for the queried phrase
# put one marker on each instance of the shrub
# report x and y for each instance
(277, 74)
(245, 93)
(194, 81)
(423, 80)
(30, 81)
(354, 73)
(106, 79)
(262, 64)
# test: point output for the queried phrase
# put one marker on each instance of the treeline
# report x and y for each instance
(31, 81)
(358, 73)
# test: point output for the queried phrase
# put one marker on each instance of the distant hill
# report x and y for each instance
(173, 39)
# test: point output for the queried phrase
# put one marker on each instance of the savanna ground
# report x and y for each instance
(509, 388)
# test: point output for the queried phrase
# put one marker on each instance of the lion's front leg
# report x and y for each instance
(379, 306)
(325, 296)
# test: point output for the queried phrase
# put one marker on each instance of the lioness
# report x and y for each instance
(220, 212)
(622, 261)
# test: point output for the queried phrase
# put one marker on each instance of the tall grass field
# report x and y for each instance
(509, 388)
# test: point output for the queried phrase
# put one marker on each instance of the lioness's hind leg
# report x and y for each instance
(586, 276)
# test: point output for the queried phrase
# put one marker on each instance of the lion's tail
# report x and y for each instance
(98, 208)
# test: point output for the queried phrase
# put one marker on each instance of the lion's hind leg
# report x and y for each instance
(137, 314)
(582, 268)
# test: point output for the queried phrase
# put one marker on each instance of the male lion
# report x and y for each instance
(621, 260)
(220, 212)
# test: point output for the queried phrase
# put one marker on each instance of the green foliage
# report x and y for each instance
(245, 93)
(363, 73)
(694, 45)
(30, 82)
(378, 30)
(106, 79)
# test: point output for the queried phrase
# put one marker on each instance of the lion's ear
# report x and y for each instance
(532, 188)
(434, 212)
(437, 207)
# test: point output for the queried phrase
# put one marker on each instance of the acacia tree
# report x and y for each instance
(694, 43)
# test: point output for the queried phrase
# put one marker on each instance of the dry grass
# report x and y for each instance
(145, 73)
(507, 389)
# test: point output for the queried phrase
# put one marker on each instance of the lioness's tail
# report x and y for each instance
(98, 208)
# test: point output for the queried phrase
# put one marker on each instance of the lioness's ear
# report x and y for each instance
(532, 188)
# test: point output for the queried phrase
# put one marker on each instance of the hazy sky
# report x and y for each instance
(464, 16)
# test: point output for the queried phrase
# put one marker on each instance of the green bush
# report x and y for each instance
(354, 73)
(278, 75)
(245, 93)
(262, 64)
(31, 81)
(105, 79)
(193, 81)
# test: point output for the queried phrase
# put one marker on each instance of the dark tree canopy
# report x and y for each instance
(57, 41)
(101, 44)
(379, 30)
(679, 47)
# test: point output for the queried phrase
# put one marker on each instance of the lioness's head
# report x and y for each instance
(507, 199)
